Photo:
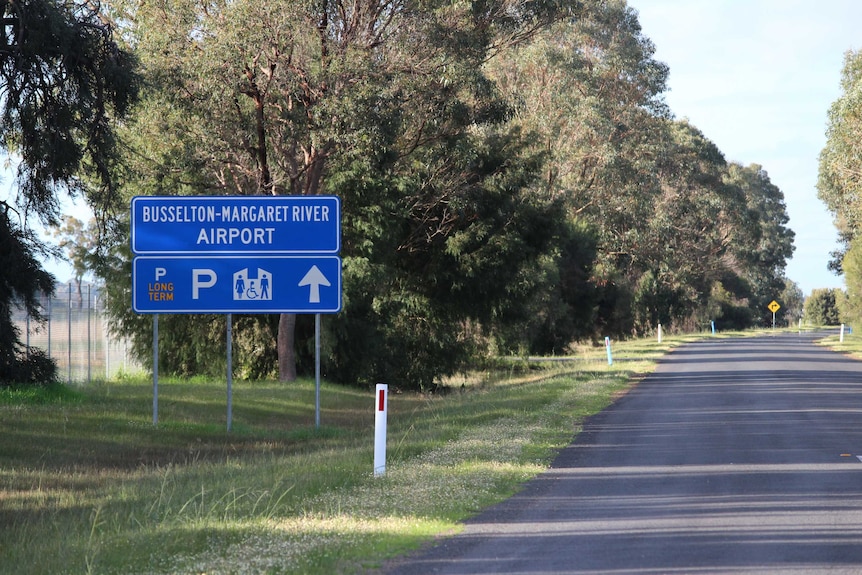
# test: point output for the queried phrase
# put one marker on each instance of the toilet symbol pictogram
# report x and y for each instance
(252, 288)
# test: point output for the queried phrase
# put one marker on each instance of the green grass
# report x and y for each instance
(89, 485)
(852, 344)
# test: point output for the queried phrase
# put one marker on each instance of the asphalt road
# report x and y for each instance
(734, 456)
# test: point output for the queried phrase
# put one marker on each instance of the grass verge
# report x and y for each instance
(89, 485)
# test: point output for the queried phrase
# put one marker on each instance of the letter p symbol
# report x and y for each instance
(202, 279)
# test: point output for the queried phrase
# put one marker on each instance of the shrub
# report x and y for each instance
(33, 368)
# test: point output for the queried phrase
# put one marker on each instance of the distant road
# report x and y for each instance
(734, 456)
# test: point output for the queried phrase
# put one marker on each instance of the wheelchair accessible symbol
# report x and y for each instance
(246, 288)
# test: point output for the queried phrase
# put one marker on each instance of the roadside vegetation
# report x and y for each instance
(511, 175)
(850, 344)
(89, 485)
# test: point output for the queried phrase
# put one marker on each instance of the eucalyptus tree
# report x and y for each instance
(670, 229)
(593, 93)
(63, 83)
(383, 102)
(851, 304)
(719, 233)
(79, 242)
(839, 183)
(764, 242)
(792, 302)
(821, 306)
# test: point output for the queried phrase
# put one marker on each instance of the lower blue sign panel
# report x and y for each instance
(236, 284)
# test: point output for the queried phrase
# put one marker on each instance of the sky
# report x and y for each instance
(757, 77)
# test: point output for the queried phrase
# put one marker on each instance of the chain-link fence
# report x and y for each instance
(75, 335)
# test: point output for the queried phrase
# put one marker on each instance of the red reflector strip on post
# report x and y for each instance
(381, 400)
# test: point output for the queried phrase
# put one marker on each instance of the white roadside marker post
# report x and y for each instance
(608, 347)
(381, 401)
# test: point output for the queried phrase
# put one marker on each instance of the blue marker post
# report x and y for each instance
(608, 347)
(712, 323)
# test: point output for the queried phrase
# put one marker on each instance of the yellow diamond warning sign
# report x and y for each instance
(773, 306)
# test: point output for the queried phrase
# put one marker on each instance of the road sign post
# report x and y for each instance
(235, 254)
(773, 306)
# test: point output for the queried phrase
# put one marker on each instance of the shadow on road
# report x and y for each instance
(735, 456)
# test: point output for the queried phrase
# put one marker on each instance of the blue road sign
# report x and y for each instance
(236, 284)
(176, 225)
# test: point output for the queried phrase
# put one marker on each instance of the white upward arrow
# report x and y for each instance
(314, 279)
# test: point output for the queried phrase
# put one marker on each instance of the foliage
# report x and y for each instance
(840, 174)
(670, 215)
(840, 177)
(851, 303)
(792, 302)
(762, 243)
(31, 367)
(63, 80)
(511, 177)
(821, 307)
(565, 309)
(79, 241)
(433, 184)
(591, 91)
(20, 283)
(453, 270)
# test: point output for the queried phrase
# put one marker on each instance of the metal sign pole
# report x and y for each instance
(317, 370)
(229, 370)
(69, 335)
(155, 369)
(89, 338)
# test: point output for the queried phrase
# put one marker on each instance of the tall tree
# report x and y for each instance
(63, 80)
(653, 188)
(792, 302)
(591, 91)
(694, 221)
(851, 306)
(79, 242)
(300, 98)
(821, 306)
(762, 243)
(21, 282)
(839, 183)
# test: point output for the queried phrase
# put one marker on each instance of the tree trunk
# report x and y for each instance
(79, 281)
(286, 347)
